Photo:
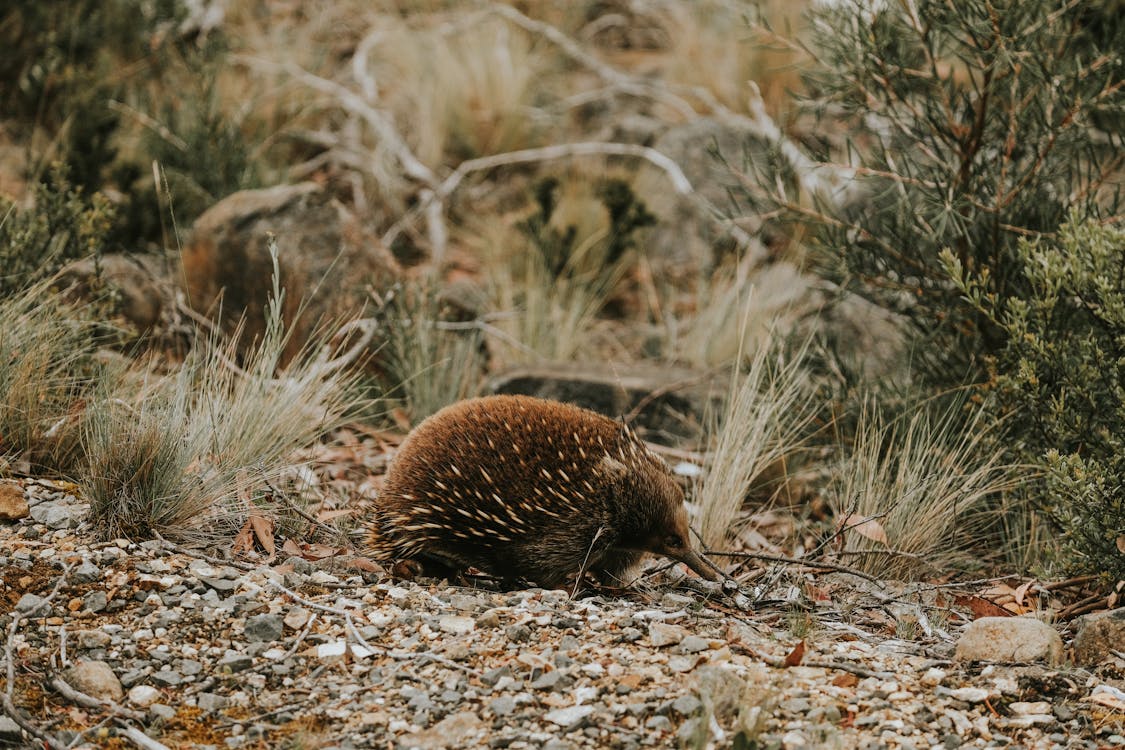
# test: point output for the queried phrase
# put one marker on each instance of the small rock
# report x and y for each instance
(235, 662)
(454, 731)
(659, 723)
(661, 634)
(13, 504)
(167, 678)
(1009, 639)
(144, 695)
(1097, 635)
(10, 733)
(456, 625)
(162, 712)
(503, 705)
(189, 667)
(518, 633)
(966, 694)
(211, 702)
(682, 663)
(29, 603)
(933, 677)
(693, 644)
(489, 619)
(88, 639)
(569, 718)
(264, 628)
(687, 705)
(1024, 708)
(87, 572)
(95, 678)
(548, 681)
(296, 618)
(95, 601)
(492, 676)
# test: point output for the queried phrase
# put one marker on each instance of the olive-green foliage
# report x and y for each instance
(114, 88)
(64, 225)
(1061, 377)
(975, 123)
(61, 63)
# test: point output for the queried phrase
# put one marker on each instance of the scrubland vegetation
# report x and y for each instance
(891, 231)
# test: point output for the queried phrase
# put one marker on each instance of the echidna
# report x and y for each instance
(525, 488)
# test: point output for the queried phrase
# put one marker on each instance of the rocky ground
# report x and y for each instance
(120, 644)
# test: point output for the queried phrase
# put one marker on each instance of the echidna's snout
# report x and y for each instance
(698, 563)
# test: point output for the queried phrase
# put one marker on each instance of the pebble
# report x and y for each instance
(235, 662)
(86, 572)
(144, 695)
(211, 702)
(1009, 639)
(95, 601)
(662, 634)
(30, 603)
(569, 718)
(96, 679)
(167, 678)
(456, 625)
(264, 628)
(693, 644)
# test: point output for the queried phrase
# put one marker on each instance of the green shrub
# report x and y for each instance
(63, 225)
(973, 124)
(1061, 378)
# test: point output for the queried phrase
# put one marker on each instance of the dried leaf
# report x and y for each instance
(364, 564)
(981, 607)
(291, 548)
(796, 655)
(1121, 544)
(1021, 592)
(263, 532)
(331, 515)
(243, 541)
(867, 527)
(845, 680)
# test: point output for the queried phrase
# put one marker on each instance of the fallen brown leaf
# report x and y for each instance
(263, 532)
(795, 656)
(981, 607)
(867, 527)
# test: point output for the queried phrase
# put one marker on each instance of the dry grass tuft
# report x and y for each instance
(430, 362)
(914, 494)
(192, 454)
(767, 414)
(45, 369)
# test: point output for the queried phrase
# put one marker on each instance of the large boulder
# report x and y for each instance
(329, 262)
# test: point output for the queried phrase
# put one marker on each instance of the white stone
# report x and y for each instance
(457, 625)
(143, 695)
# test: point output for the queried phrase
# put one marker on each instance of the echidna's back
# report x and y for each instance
(490, 482)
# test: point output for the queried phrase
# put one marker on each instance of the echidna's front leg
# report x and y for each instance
(617, 567)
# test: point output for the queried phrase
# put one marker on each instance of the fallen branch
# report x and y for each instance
(802, 563)
(88, 701)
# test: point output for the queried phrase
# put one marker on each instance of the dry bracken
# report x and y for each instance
(529, 489)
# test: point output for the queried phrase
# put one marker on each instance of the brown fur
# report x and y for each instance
(525, 488)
